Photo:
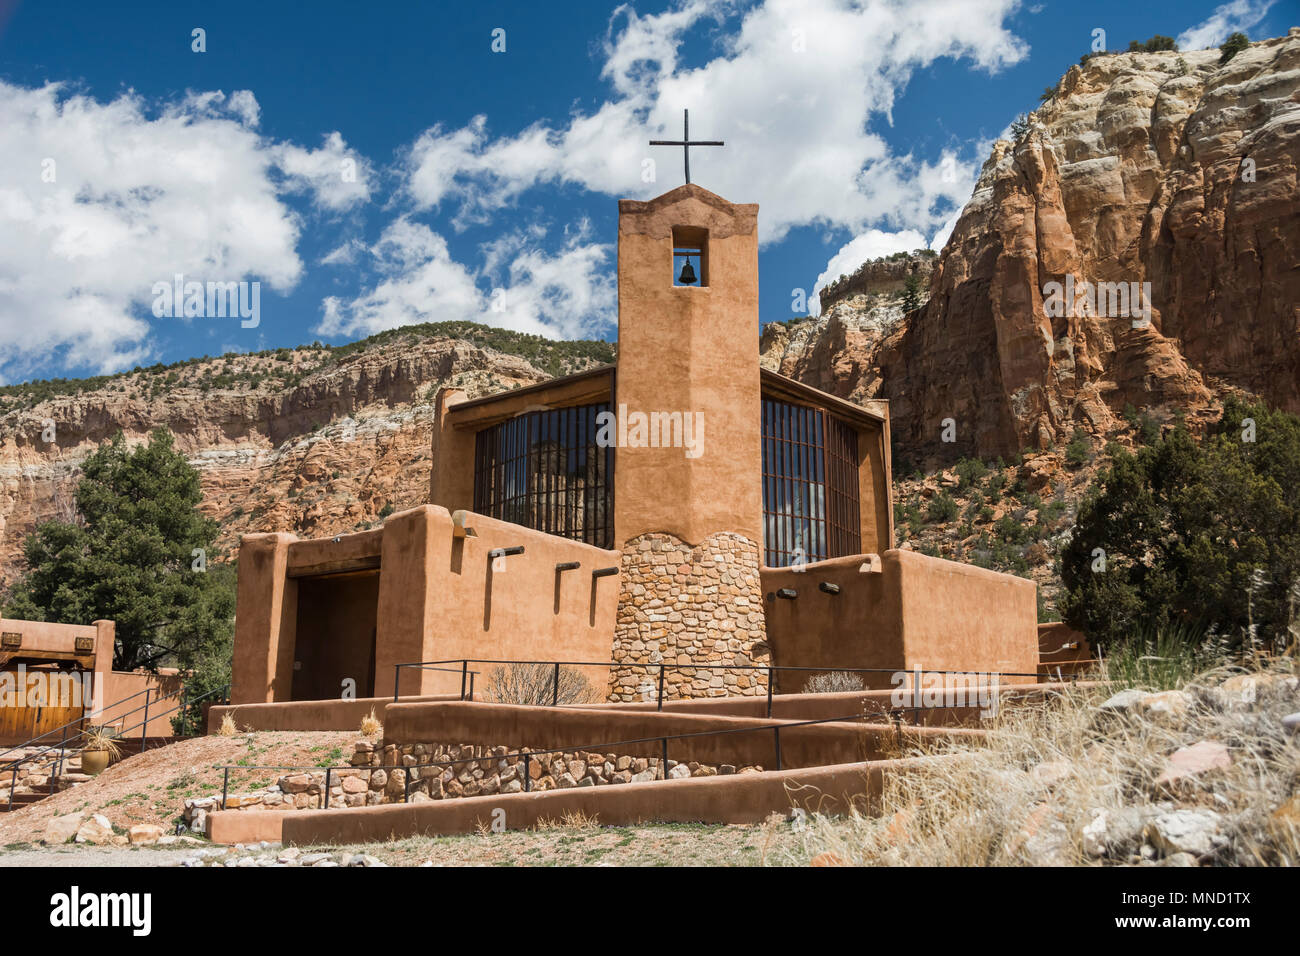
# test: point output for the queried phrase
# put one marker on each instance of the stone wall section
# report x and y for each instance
(379, 774)
(688, 605)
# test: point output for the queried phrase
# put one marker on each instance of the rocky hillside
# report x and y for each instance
(314, 440)
(1160, 168)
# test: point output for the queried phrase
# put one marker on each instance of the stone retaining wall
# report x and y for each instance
(379, 775)
(35, 773)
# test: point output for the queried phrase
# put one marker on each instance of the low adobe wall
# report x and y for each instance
(570, 728)
(127, 684)
(913, 612)
(821, 706)
(747, 798)
(306, 714)
(1062, 650)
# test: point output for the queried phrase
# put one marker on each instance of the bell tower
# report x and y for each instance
(688, 515)
(687, 334)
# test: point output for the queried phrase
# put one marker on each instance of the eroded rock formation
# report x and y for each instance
(1160, 168)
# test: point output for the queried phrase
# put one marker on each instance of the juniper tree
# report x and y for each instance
(1193, 532)
(135, 553)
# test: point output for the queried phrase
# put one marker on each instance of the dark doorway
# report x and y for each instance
(335, 635)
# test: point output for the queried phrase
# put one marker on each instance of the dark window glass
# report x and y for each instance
(543, 470)
(810, 485)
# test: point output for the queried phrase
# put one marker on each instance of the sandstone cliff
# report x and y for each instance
(1164, 168)
(314, 440)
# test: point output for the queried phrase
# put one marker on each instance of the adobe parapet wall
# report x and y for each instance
(898, 612)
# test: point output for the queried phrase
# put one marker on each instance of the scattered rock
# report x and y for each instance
(1168, 707)
(1197, 832)
(1051, 772)
(1188, 763)
(64, 828)
(1124, 701)
(145, 834)
(96, 830)
(1114, 832)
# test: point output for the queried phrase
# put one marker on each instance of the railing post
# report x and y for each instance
(397, 674)
(225, 786)
(662, 667)
(472, 675)
(144, 728)
(13, 785)
(464, 672)
(555, 686)
(664, 769)
(769, 690)
(325, 799)
(527, 774)
(776, 739)
(185, 716)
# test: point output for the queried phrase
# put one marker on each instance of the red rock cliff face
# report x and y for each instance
(1163, 168)
(298, 440)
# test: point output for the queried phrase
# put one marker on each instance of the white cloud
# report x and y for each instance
(99, 201)
(1229, 18)
(564, 295)
(339, 178)
(871, 244)
(792, 92)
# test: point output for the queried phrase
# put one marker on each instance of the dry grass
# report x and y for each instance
(227, 728)
(571, 820)
(1044, 773)
(585, 844)
(370, 725)
(833, 682)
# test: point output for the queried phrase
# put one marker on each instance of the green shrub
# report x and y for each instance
(1203, 532)
(969, 471)
(1157, 44)
(1077, 451)
(943, 507)
(1232, 46)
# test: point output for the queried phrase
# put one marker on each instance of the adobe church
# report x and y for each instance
(681, 506)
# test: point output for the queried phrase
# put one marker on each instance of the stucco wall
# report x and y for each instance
(689, 349)
(916, 612)
(440, 597)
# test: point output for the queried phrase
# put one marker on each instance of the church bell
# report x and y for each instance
(688, 274)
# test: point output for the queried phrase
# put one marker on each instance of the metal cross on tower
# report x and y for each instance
(685, 142)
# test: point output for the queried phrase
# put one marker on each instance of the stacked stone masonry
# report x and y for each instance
(380, 773)
(39, 771)
(684, 606)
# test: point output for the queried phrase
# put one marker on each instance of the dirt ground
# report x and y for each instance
(152, 787)
(771, 844)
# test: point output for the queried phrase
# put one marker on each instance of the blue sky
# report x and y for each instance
(376, 165)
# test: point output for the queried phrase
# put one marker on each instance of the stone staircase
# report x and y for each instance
(36, 780)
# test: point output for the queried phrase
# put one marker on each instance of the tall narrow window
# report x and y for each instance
(810, 485)
(690, 256)
(544, 470)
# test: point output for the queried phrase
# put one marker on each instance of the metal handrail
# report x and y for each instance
(63, 744)
(527, 755)
(664, 665)
(79, 720)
